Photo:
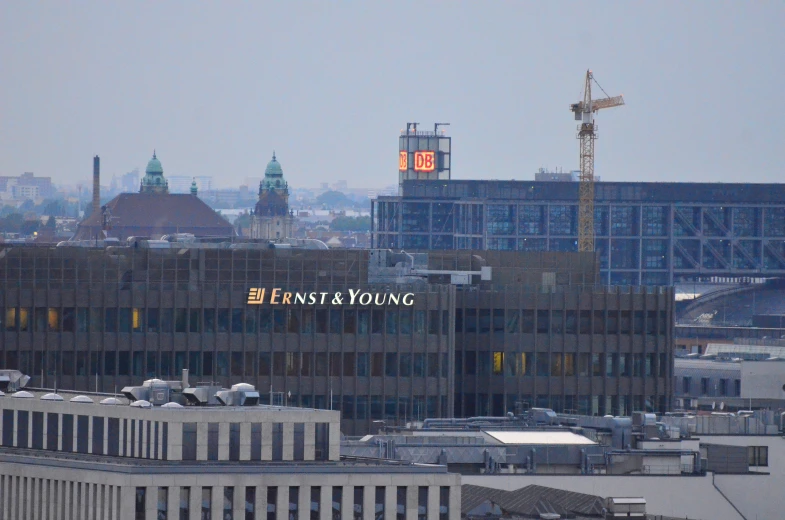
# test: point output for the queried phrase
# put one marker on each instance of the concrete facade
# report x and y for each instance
(66, 460)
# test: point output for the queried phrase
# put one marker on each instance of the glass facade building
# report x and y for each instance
(646, 233)
(100, 319)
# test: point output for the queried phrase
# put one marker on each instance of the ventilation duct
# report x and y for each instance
(12, 380)
(241, 394)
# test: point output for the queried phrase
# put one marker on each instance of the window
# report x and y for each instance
(337, 503)
(140, 503)
(163, 503)
(185, 503)
(400, 503)
(704, 386)
(422, 503)
(316, 499)
(207, 503)
(272, 502)
(685, 385)
(228, 502)
(358, 502)
(444, 503)
(758, 455)
(379, 504)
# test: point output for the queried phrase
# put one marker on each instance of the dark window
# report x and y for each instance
(337, 503)
(400, 503)
(377, 321)
(299, 441)
(234, 441)
(256, 441)
(277, 441)
(358, 502)
(422, 503)
(378, 513)
(294, 502)
(250, 503)
(68, 432)
(82, 422)
(212, 441)
(140, 503)
(316, 499)
(113, 436)
(758, 455)
(189, 441)
(228, 503)
(207, 503)
(98, 435)
(223, 320)
(52, 429)
(163, 503)
(185, 502)
(391, 364)
(38, 431)
(444, 503)
(377, 362)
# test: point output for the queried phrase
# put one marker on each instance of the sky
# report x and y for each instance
(215, 87)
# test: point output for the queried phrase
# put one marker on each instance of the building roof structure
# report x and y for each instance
(153, 212)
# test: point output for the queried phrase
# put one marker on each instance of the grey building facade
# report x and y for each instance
(646, 233)
(98, 319)
(76, 459)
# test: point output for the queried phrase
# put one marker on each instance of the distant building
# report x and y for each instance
(26, 187)
(272, 218)
(154, 212)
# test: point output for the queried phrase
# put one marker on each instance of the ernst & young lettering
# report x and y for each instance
(261, 296)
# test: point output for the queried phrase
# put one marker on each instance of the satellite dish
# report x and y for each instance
(722, 406)
(713, 406)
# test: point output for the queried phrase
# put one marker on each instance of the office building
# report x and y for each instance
(646, 233)
(379, 335)
(97, 457)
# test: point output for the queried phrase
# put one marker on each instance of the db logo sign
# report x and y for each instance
(403, 161)
(424, 161)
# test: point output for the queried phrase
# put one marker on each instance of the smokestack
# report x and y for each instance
(96, 184)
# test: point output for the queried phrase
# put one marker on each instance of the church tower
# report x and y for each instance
(271, 216)
(153, 180)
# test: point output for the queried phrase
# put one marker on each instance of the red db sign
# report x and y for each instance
(424, 161)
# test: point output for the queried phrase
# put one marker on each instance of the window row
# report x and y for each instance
(483, 404)
(230, 499)
(711, 387)
(250, 320)
(237, 364)
(545, 364)
(514, 321)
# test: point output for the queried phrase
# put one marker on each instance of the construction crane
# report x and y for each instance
(587, 133)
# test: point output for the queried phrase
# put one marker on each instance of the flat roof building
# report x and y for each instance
(646, 233)
(381, 336)
(98, 457)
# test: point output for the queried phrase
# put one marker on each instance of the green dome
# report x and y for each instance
(273, 168)
(154, 166)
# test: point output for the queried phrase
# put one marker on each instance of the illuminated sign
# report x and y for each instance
(260, 296)
(424, 161)
(403, 161)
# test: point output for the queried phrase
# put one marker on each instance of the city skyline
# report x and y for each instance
(336, 84)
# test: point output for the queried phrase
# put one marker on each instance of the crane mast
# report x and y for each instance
(587, 133)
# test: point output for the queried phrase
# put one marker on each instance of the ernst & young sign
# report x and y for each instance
(260, 296)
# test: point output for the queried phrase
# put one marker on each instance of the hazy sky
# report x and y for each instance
(214, 87)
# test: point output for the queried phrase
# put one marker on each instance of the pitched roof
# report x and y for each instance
(164, 213)
(532, 500)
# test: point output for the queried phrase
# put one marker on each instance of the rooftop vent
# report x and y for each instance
(202, 395)
(172, 405)
(241, 394)
(156, 391)
(51, 397)
(113, 401)
(12, 380)
(81, 399)
(141, 403)
(22, 394)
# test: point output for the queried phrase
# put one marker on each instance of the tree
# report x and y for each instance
(51, 223)
(12, 223)
(29, 227)
(350, 224)
(333, 199)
